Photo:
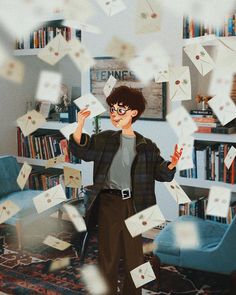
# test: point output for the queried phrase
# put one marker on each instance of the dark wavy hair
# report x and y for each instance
(130, 97)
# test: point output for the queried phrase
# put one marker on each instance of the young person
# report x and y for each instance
(126, 165)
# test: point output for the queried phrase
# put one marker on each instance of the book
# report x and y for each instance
(202, 129)
(201, 119)
(224, 130)
(201, 112)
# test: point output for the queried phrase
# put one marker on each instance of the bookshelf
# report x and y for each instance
(198, 187)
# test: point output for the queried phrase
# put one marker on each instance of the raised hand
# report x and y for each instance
(82, 115)
(175, 157)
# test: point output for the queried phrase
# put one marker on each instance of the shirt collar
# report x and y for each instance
(140, 140)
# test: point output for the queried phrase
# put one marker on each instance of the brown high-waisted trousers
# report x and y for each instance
(115, 241)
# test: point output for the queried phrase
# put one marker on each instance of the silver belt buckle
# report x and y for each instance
(126, 194)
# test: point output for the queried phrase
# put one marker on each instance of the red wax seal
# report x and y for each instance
(153, 15)
(144, 223)
(197, 56)
(71, 177)
(29, 117)
(56, 53)
(142, 277)
(177, 82)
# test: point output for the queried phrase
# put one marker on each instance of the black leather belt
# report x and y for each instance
(125, 193)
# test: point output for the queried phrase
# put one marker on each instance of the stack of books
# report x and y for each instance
(44, 144)
(193, 29)
(207, 122)
(208, 159)
(46, 180)
(198, 208)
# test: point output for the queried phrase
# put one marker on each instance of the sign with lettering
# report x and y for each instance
(154, 93)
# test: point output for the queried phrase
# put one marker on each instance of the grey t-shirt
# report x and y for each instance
(119, 174)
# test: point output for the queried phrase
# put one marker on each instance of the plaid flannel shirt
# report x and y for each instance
(147, 166)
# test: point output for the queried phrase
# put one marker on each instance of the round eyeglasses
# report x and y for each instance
(120, 110)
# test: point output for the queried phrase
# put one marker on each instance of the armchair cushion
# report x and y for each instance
(9, 170)
(210, 234)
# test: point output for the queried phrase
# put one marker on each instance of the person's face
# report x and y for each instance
(121, 116)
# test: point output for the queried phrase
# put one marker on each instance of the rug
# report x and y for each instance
(27, 274)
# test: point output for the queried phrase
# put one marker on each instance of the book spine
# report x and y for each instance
(201, 112)
(221, 162)
(224, 166)
(202, 129)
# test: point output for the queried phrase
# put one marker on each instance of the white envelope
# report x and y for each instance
(80, 55)
(72, 177)
(200, 58)
(180, 84)
(224, 108)
(55, 50)
(186, 159)
(148, 16)
(45, 108)
(7, 210)
(152, 59)
(23, 175)
(75, 217)
(69, 129)
(177, 192)
(3, 55)
(149, 247)
(230, 157)
(92, 103)
(12, 70)
(144, 220)
(81, 26)
(181, 122)
(186, 235)
(111, 7)
(55, 161)
(162, 75)
(111, 82)
(59, 263)
(49, 87)
(218, 201)
(93, 280)
(30, 122)
(201, 11)
(221, 81)
(49, 198)
(56, 243)
(78, 10)
(142, 274)
(120, 49)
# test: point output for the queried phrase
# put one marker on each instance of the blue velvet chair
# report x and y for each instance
(9, 190)
(216, 251)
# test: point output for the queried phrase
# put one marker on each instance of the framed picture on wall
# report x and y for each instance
(154, 93)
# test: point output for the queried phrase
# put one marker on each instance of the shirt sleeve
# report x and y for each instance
(86, 150)
(161, 170)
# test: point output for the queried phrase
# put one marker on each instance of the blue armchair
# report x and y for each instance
(9, 190)
(216, 251)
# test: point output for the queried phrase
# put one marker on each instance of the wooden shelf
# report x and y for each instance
(39, 162)
(215, 137)
(26, 52)
(194, 182)
(54, 125)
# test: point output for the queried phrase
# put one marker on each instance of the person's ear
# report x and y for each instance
(134, 113)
